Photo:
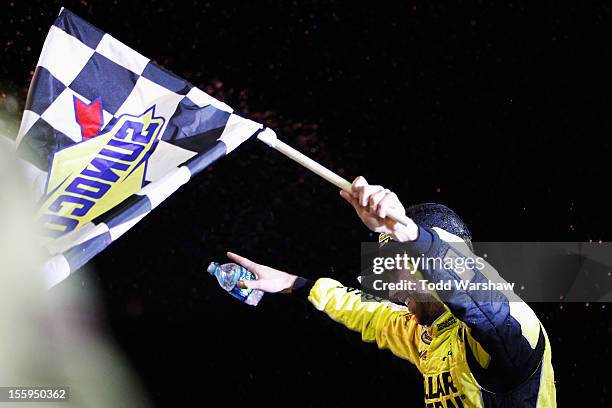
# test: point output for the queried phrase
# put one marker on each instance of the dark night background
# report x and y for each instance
(500, 111)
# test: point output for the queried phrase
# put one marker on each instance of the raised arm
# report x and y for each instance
(505, 336)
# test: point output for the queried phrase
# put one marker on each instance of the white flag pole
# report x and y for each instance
(269, 137)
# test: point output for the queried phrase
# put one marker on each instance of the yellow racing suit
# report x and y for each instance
(487, 351)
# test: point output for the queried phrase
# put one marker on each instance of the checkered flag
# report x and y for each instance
(108, 135)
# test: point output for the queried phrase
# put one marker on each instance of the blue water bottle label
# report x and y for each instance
(242, 294)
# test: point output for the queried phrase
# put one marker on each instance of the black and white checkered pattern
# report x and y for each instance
(78, 60)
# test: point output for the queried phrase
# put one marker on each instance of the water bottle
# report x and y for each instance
(228, 275)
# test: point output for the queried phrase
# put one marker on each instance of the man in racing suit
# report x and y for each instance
(473, 348)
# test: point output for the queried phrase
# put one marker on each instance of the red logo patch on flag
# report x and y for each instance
(89, 117)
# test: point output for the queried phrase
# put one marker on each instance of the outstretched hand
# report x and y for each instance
(269, 280)
(373, 203)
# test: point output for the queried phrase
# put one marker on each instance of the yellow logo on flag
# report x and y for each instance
(89, 178)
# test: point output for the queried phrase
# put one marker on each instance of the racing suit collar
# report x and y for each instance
(444, 322)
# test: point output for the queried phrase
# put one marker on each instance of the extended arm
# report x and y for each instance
(390, 326)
